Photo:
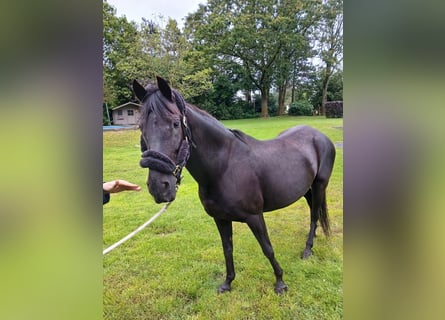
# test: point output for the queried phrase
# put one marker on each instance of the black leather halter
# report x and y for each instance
(158, 161)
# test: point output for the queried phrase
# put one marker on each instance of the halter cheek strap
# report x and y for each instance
(182, 108)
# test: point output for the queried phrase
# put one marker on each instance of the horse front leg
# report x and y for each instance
(225, 231)
(257, 224)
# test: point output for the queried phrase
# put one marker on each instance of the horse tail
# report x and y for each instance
(324, 218)
(324, 173)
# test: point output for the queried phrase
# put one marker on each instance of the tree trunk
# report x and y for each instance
(323, 100)
(264, 98)
(248, 96)
(281, 98)
(325, 90)
(294, 83)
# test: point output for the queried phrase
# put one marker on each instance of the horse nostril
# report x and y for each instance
(166, 184)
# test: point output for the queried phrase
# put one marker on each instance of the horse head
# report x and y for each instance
(164, 140)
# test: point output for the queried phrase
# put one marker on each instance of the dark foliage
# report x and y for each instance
(334, 109)
(301, 108)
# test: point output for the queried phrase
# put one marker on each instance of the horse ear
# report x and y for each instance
(139, 90)
(165, 88)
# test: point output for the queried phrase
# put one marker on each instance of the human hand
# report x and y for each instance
(120, 185)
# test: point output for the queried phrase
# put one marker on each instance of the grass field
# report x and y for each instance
(171, 269)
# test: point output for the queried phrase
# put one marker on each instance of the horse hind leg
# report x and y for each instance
(316, 199)
(308, 197)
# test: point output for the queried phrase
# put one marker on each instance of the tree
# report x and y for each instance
(335, 87)
(292, 69)
(330, 42)
(295, 58)
(167, 53)
(143, 51)
(303, 80)
(257, 35)
(120, 37)
(334, 90)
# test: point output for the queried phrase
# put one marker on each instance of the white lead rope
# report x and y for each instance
(137, 230)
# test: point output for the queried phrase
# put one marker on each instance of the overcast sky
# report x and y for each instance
(150, 9)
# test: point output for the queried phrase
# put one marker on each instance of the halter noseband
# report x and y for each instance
(160, 162)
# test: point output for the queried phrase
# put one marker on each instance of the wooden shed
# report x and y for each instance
(126, 114)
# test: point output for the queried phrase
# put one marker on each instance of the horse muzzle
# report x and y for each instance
(165, 174)
(161, 186)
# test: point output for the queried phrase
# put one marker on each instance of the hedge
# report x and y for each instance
(301, 108)
(334, 109)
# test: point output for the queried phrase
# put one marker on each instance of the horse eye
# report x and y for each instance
(176, 124)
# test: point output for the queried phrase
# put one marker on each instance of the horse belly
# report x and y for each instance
(218, 207)
(286, 185)
(284, 197)
(233, 199)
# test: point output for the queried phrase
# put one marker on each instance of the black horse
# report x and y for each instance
(239, 177)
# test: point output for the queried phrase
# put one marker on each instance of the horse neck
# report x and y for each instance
(211, 139)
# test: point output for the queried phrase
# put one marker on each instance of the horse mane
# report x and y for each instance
(200, 111)
(240, 135)
(152, 99)
(206, 115)
(235, 132)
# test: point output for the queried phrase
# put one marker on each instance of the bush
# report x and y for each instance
(301, 108)
(334, 109)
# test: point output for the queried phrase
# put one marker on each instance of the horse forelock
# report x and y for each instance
(155, 102)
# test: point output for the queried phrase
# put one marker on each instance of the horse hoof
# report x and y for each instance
(280, 288)
(223, 288)
(306, 253)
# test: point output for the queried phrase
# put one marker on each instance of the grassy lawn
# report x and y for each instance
(171, 269)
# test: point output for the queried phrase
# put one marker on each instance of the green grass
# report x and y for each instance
(171, 269)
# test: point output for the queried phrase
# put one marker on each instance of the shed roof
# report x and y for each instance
(128, 104)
